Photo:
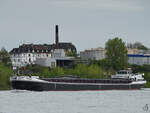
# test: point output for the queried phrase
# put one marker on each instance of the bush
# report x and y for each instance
(5, 73)
(94, 71)
(58, 71)
(81, 70)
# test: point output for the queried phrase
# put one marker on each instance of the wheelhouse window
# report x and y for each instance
(123, 72)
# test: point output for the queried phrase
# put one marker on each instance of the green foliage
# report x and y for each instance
(147, 85)
(45, 73)
(116, 53)
(71, 53)
(41, 71)
(85, 71)
(104, 63)
(139, 68)
(147, 78)
(137, 45)
(142, 47)
(81, 70)
(94, 71)
(4, 56)
(35, 68)
(58, 71)
(5, 73)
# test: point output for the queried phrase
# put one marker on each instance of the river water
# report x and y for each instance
(111, 101)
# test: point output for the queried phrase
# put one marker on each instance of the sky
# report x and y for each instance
(85, 23)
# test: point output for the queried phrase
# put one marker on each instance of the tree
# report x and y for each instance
(116, 53)
(137, 45)
(81, 70)
(4, 56)
(94, 71)
(103, 63)
(71, 53)
(5, 73)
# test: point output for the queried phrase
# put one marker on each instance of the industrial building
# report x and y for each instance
(31, 53)
(93, 54)
(139, 59)
(58, 58)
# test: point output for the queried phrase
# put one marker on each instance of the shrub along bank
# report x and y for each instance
(81, 70)
(5, 73)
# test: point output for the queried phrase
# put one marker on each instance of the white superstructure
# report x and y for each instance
(127, 74)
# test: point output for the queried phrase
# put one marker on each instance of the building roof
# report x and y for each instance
(63, 45)
(39, 48)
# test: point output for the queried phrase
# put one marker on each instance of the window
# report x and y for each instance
(29, 59)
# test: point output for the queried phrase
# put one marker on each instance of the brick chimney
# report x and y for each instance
(57, 37)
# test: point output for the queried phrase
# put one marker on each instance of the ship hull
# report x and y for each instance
(54, 86)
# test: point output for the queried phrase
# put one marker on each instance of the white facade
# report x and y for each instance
(28, 53)
(22, 59)
(93, 54)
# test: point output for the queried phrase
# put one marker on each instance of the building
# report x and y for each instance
(138, 51)
(138, 59)
(135, 56)
(29, 53)
(58, 58)
(93, 54)
(132, 51)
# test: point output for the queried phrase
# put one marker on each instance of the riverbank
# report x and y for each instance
(81, 70)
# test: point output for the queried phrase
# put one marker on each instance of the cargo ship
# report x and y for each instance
(122, 80)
